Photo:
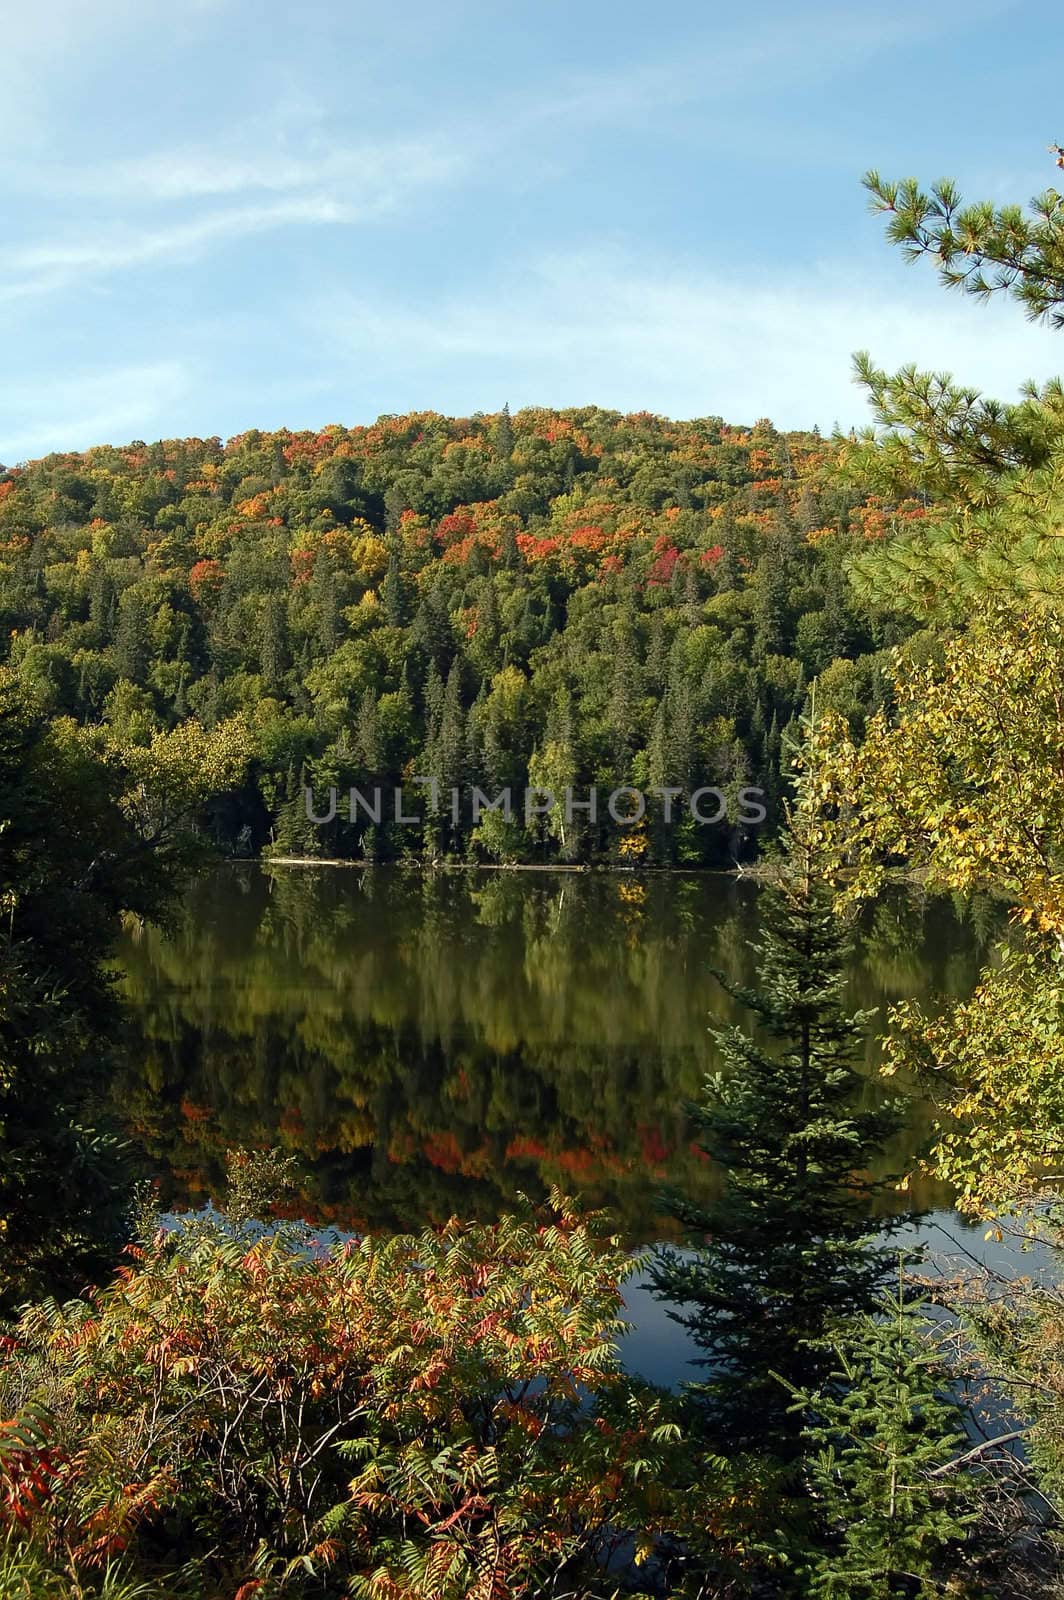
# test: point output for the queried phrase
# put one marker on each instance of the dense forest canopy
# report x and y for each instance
(558, 599)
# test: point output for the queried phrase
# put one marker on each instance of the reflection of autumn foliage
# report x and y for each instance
(444, 1151)
(430, 1047)
(654, 1149)
(290, 1122)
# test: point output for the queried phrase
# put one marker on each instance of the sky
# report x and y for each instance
(221, 215)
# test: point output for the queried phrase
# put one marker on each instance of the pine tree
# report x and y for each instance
(484, 649)
(982, 248)
(433, 703)
(432, 630)
(85, 697)
(786, 1249)
(681, 725)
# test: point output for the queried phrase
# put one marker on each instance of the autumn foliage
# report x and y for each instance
(435, 1416)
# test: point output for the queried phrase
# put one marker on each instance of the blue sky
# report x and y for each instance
(222, 215)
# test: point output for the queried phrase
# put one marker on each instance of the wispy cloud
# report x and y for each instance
(720, 65)
(581, 328)
(158, 204)
(85, 407)
(109, 185)
(344, 180)
(39, 269)
(377, 173)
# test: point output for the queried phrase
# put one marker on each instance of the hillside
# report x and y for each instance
(561, 599)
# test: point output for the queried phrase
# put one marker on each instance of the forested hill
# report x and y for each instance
(558, 598)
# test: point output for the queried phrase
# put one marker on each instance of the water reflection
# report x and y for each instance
(430, 1044)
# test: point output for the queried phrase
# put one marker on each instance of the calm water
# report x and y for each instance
(431, 1044)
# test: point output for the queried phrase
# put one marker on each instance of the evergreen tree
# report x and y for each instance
(786, 1250)
(432, 630)
(451, 739)
(132, 642)
(484, 647)
(101, 597)
(680, 724)
(367, 735)
(892, 1513)
(495, 756)
(433, 702)
(625, 689)
(511, 555)
(657, 656)
(295, 834)
(392, 590)
(326, 602)
(396, 502)
(658, 774)
(981, 248)
(504, 435)
(272, 644)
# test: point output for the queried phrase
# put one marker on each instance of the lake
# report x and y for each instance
(430, 1044)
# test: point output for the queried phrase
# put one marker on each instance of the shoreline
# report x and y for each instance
(755, 872)
(500, 866)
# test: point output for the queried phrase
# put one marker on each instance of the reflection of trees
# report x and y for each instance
(429, 1044)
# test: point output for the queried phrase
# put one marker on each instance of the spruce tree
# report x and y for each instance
(625, 691)
(132, 641)
(787, 1250)
(367, 736)
(272, 645)
(884, 1465)
(392, 590)
(326, 600)
(504, 435)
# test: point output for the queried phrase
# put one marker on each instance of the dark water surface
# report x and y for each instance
(432, 1044)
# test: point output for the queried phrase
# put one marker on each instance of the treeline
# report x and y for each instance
(555, 599)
